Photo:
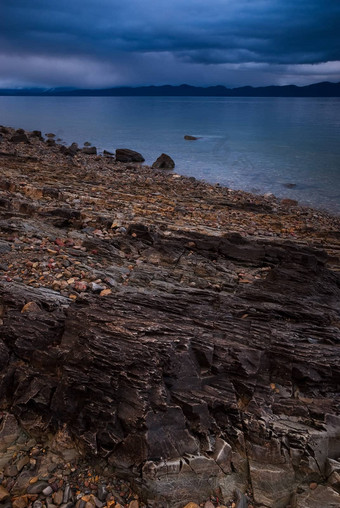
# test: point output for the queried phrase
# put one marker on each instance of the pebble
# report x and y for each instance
(47, 491)
(67, 494)
(58, 497)
(102, 492)
(37, 487)
(4, 494)
(20, 502)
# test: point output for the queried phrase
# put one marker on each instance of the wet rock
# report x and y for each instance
(164, 161)
(190, 138)
(126, 155)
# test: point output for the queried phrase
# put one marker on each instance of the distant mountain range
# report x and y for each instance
(325, 89)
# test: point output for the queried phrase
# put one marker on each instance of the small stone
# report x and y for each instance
(191, 505)
(208, 504)
(37, 487)
(105, 292)
(4, 494)
(30, 307)
(58, 497)
(98, 504)
(22, 462)
(313, 485)
(47, 491)
(102, 492)
(37, 504)
(96, 288)
(20, 502)
(11, 470)
(67, 494)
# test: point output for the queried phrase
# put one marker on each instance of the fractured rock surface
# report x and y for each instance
(193, 361)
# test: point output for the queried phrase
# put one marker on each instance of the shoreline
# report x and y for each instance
(202, 291)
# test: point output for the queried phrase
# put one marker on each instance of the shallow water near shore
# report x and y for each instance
(287, 146)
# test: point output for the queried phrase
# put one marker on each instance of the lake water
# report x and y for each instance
(255, 144)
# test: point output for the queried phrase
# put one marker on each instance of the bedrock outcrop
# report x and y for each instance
(188, 388)
(147, 315)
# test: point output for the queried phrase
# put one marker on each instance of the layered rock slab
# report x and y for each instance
(187, 388)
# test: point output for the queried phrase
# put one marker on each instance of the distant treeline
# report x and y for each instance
(325, 89)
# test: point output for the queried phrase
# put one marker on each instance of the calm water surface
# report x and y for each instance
(255, 144)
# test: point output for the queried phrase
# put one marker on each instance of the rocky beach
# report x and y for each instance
(164, 342)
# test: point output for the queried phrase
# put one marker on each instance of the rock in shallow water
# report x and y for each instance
(164, 161)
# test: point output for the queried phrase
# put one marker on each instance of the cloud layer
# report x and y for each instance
(106, 43)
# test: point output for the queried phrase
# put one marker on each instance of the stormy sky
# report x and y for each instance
(104, 43)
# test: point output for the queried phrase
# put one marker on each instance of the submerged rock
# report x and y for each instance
(190, 138)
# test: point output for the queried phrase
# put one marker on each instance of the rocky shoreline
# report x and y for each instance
(163, 341)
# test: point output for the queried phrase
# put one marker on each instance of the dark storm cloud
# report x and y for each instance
(115, 38)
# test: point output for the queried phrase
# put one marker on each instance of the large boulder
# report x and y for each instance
(164, 161)
(126, 155)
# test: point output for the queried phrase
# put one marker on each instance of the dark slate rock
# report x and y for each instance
(126, 155)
